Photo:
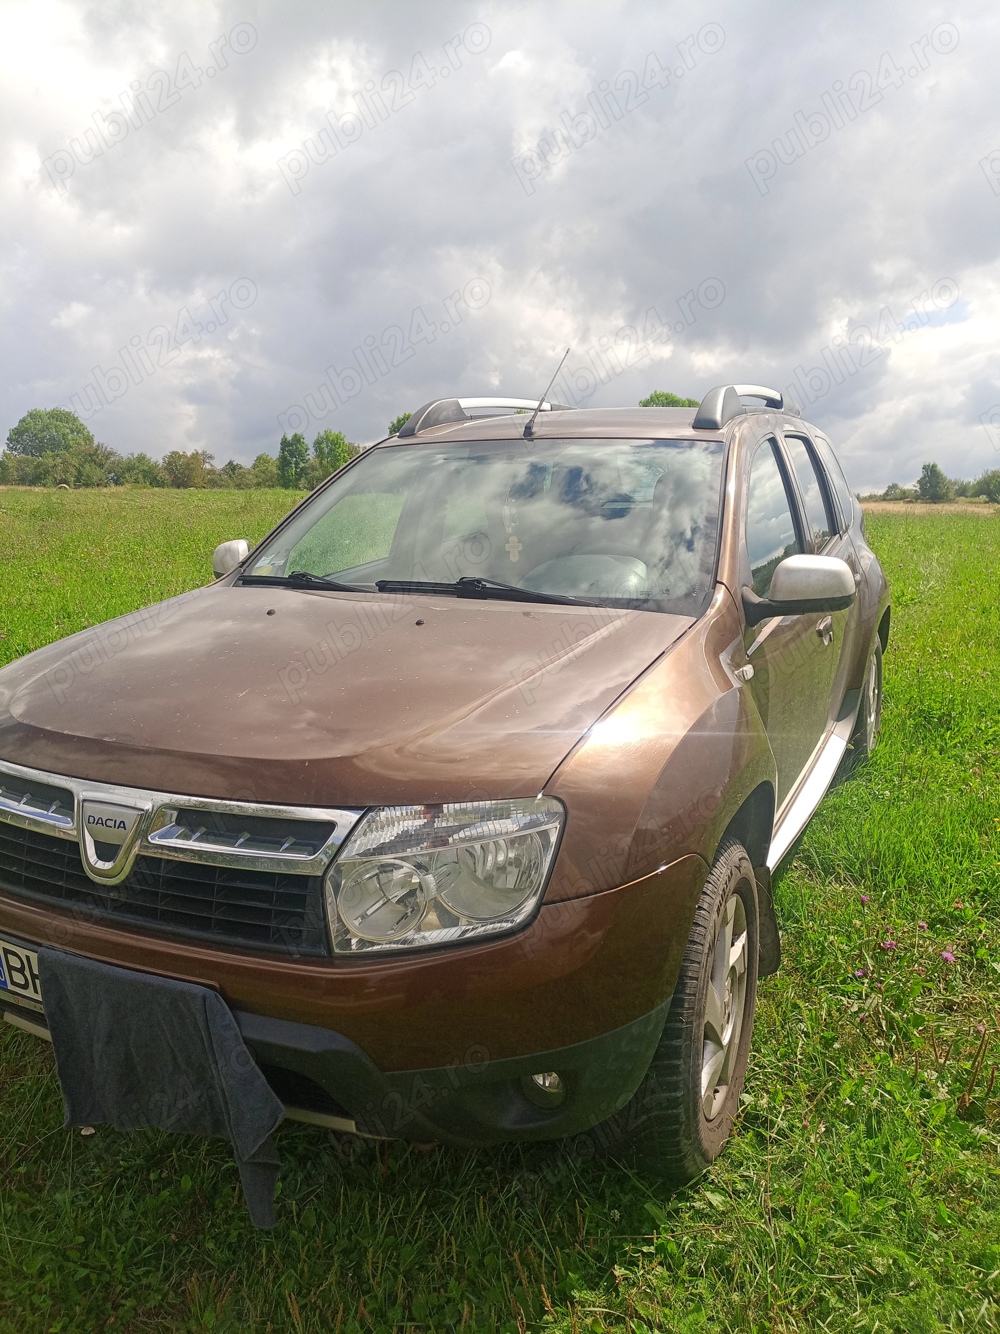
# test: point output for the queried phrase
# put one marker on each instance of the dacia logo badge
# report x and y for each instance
(109, 824)
(106, 837)
(114, 822)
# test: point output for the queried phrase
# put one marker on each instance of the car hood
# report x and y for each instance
(281, 695)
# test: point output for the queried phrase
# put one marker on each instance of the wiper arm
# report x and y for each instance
(469, 586)
(483, 588)
(302, 579)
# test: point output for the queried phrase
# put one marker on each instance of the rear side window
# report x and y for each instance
(770, 529)
(819, 521)
(836, 474)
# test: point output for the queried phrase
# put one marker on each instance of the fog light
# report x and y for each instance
(544, 1090)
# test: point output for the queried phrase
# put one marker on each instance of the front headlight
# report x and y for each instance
(412, 876)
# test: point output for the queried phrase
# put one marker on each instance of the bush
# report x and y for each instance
(188, 470)
(21, 470)
(896, 492)
(140, 470)
(79, 464)
(265, 471)
(987, 486)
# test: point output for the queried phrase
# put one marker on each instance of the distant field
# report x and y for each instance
(862, 1189)
(979, 509)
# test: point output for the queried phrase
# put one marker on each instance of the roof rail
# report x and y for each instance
(722, 404)
(439, 411)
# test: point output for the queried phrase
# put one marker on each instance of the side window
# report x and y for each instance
(836, 474)
(819, 521)
(770, 530)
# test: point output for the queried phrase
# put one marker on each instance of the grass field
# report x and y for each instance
(69, 559)
(862, 1188)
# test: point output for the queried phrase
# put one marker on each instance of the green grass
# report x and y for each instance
(861, 1190)
(69, 559)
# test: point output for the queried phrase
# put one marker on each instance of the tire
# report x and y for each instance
(869, 722)
(675, 1124)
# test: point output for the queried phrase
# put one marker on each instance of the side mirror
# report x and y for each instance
(802, 584)
(228, 555)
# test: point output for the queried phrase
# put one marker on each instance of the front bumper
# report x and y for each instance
(471, 1103)
(322, 1076)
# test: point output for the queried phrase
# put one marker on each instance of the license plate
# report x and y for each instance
(19, 975)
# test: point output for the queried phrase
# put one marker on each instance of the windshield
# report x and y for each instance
(609, 522)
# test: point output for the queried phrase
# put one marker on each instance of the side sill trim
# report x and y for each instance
(801, 803)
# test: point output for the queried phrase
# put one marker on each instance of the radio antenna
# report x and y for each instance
(531, 420)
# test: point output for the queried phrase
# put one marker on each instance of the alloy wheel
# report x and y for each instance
(872, 703)
(725, 1006)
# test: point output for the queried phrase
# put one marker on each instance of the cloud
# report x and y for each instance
(219, 214)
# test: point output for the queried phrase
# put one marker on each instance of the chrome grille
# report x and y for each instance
(261, 909)
(201, 867)
(246, 835)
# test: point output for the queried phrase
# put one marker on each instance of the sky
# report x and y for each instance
(224, 221)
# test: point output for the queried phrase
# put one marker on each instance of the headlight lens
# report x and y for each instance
(414, 876)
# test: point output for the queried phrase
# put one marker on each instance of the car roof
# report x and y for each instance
(597, 423)
(449, 419)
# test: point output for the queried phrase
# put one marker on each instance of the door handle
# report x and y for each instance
(825, 630)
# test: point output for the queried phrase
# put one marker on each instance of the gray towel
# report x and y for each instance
(133, 1049)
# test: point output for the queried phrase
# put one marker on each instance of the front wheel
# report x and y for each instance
(680, 1117)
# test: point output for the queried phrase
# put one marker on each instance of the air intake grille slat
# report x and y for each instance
(262, 909)
(22, 796)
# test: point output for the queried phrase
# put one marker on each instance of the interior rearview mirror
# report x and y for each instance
(228, 555)
(802, 584)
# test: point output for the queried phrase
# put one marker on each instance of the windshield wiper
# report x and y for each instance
(483, 587)
(302, 579)
(470, 586)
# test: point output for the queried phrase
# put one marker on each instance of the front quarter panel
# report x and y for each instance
(664, 772)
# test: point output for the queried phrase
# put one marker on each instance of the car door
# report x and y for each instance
(826, 528)
(792, 657)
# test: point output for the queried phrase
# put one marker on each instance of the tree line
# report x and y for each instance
(53, 447)
(935, 488)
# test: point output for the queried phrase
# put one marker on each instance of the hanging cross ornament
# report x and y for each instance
(510, 522)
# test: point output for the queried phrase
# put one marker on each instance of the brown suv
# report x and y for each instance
(465, 788)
